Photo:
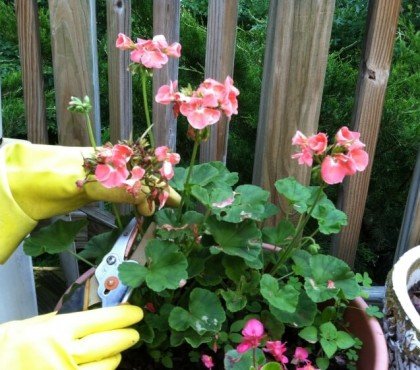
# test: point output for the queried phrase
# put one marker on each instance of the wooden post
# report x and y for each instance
(118, 14)
(382, 23)
(17, 288)
(410, 228)
(166, 21)
(30, 61)
(75, 61)
(220, 56)
(295, 62)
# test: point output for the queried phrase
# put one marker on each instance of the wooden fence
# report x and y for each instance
(298, 37)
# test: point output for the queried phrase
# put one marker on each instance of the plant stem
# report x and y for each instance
(254, 358)
(80, 258)
(90, 131)
(186, 190)
(299, 229)
(117, 216)
(146, 105)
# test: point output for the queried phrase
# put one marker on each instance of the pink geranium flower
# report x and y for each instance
(318, 143)
(198, 114)
(167, 93)
(154, 53)
(277, 350)
(167, 170)
(301, 354)
(124, 42)
(229, 103)
(253, 333)
(348, 139)
(334, 168)
(207, 361)
(111, 177)
(304, 157)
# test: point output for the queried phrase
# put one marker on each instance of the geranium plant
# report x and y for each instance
(220, 286)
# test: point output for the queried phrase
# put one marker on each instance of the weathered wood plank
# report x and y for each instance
(410, 228)
(370, 92)
(220, 56)
(17, 288)
(166, 21)
(30, 61)
(75, 62)
(295, 62)
(118, 14)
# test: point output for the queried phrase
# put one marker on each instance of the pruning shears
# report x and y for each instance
(102, 285)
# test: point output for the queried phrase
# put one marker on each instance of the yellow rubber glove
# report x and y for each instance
(89, 340)
(39, 181)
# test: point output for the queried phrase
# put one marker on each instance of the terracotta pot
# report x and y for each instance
(374, 352)
(402, 321)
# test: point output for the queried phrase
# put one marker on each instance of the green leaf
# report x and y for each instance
(277, 235)
(234, 300)
(275, 328)
(54, 238)
(374, 311)
(237, 361)
(167, 362)
(297, 194)
(325, 269)
(364, 279)
(284, 298)
(344, 340)
(99, 245)
(272, 366)
(243, 240)
(201, 194)
(329, 347)
(302, 264)
(304, 314)
(205, 313)
(203, 174)
(166, 267)
(132, 274)
(180, 175)
(235, 267)
(328, 331)
(323, 363)
(250, 203)
(310, 334)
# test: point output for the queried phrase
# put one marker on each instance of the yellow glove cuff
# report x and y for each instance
(17, 224)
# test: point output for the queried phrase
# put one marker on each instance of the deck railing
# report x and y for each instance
(298, 36)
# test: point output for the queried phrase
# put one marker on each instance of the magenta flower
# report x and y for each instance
(253, 333)
(207, 361)
(277, 350)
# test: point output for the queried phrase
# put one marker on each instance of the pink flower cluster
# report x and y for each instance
(149, 53)
(204, 106)
(127, 166)
(344, 158)
(253, 334)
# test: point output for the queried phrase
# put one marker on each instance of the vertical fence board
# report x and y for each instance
(370, 92)
(295, 62)
(30, 61)
(73, 39)
(220, 56)
(118, 14)
(166, 21)
(410, 228)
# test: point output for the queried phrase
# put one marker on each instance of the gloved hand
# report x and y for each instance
(39, 181)
(89, 340)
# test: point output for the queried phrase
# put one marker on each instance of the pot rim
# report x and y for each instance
(401, 278)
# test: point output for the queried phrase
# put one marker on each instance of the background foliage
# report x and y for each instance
(400, 130)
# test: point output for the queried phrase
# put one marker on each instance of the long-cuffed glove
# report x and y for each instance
(39, 181)
(89, 340)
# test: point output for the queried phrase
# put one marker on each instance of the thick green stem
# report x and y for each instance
(80, 258)
(146, 106)
(90, 131)
(187, 181)
(117, 216)
(296, 241)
